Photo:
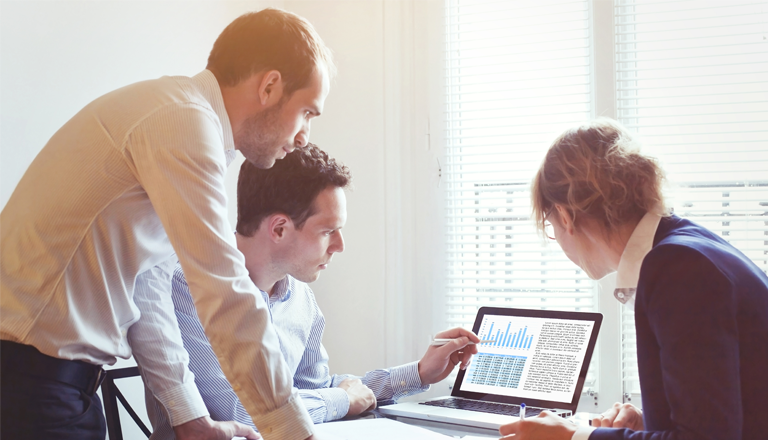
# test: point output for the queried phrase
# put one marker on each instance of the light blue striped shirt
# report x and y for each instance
(299, 324)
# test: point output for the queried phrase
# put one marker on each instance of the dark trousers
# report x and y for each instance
(33, 406)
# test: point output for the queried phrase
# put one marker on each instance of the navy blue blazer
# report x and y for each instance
(701, 315)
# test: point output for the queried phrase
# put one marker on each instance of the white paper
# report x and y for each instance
(375, 429)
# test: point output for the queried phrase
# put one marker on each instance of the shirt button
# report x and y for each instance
(335, 412)
(621, 294)
(402, 382)
(172, 402)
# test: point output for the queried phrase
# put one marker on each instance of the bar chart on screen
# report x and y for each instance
(529, 357)
(506, 339)
(501, 363)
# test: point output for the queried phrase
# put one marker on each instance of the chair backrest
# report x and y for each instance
(111, 395)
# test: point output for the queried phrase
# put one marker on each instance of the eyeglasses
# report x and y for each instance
(549, 230)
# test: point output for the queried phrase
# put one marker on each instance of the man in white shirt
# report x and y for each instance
(130, 184)
(289, 223)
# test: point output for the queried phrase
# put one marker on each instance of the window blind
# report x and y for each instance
(517, 74)
(692, 83)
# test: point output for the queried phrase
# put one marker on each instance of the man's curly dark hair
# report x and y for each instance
(289, 187)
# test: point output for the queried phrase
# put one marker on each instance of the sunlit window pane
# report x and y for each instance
(517, 74)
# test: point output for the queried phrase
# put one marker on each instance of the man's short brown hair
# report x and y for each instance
(271, 39)
(290, 187)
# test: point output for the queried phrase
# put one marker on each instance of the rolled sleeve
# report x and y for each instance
(289, 422)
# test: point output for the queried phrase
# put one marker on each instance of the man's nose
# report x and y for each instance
(302, 137)
(338, 244)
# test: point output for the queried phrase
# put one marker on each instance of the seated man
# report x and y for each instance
(288, 228)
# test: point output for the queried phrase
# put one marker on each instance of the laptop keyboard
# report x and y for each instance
(504, 409)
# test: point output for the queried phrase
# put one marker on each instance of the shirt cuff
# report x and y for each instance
(583, 432)
(406, 380)
(183, 403)
(336, 403)
(290, 422)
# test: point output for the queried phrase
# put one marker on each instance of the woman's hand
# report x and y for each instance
(545, 426)
(621, 415)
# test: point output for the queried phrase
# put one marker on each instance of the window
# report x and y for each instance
(517, 74)
(691, 80)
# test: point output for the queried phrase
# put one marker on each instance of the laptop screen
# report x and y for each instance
(536, 355)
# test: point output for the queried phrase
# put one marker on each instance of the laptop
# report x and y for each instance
(537, 357)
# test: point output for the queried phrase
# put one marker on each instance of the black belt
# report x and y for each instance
(27, 360)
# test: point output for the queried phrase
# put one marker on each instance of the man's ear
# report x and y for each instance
(279, 226)
(270, 88)
(566, 220)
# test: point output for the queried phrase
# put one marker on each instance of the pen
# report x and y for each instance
(522, 411)
(441, 342)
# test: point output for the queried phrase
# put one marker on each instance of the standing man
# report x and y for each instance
(93, 230)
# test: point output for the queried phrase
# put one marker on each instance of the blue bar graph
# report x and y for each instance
(511, 338)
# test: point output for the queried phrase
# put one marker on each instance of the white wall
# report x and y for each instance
(377, 296)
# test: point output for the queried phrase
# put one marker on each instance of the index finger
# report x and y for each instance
(457, 332)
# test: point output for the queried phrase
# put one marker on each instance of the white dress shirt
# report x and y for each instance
(135, 176)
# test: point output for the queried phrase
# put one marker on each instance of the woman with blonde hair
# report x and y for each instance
(701, 306)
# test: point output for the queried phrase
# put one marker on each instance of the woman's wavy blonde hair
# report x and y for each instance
(596, 171)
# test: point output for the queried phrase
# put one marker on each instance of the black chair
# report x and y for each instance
(111, 395)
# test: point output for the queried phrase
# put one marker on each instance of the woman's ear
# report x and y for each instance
(565, 218)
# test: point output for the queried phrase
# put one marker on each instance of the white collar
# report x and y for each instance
(638, 246)
(209, 87)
